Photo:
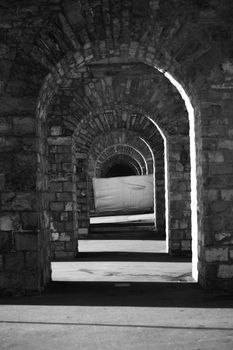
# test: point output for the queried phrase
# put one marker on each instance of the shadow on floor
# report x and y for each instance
(128, 256)
(170, 295)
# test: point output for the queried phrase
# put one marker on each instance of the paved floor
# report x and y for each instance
(108, 316)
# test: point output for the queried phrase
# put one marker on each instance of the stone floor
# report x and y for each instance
(101, 314)
(123, 261)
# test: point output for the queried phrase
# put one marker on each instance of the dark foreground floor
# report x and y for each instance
(118, 316)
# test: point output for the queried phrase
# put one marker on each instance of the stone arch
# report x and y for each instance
(182, 59)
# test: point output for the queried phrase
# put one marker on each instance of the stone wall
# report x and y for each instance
(61, 194)
(90, 56)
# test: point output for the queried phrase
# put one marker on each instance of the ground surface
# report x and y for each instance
(123, 260)
(101, 315)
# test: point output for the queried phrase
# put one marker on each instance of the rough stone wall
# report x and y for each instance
(46, 44)
(61, 194)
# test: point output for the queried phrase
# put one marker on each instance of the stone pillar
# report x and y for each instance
(179, 197)
(60, 195)
(21, 257)
(216, 239)
(82, 196)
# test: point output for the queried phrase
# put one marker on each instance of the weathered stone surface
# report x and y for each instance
(23, 125)
(9, 221)
(31, 260)
(56, 130)
(64, 237)
(25, 241)
(50, 73)
(5, 241)
(83, 231)
(224, 237)
(216, 254)
(69, 206)
(16, 201)
(1, 262)
(57, 206)
(14, 261)
(225, 271)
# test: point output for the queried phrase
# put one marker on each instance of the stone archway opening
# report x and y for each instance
(118, 169)
(178, 227)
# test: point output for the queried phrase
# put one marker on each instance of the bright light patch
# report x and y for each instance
(193, 171)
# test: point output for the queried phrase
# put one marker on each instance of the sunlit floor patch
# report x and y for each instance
(130, 271)
(122, 261)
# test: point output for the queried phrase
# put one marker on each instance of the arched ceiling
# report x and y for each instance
(45, 32)
(112, 89)
(105, 143)
(120, 165)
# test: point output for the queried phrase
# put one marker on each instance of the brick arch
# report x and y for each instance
(123, 150)
(104, 145)
(147, 57)
(120, 158)
(110, 154)
(190, 39)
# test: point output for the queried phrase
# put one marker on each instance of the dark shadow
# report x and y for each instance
(126, 294)
(129, 256)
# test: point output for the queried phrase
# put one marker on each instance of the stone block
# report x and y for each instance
(227, 195)
(215, 156)
(55, 186)
(57, 246)
(64, 196)
(19, 201)
(64, 216)
(2, 181)
(23, 125)
(177, 235)
(224, 237)
(225, 271)
(64, 255)
(9, 221)
(216, 254)
(31, 279)
(225, 144)
(212, 195)
(231, 254)
(11, 281)
(59, 226)
(60, 141)
(14, 261)
(31, 260)
(56, 130)
(83, 231)
(1, 262)
(69, 206)
(5, 241)
(57, 206)
(26, 241)
(185, 245)
(30, 220)
(69, 246)
(67, 167)
(5, 125)
(68, 186)
(69, 226)
(64, 237)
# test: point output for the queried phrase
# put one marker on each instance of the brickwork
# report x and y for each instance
(83, 61)
(60, 195)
